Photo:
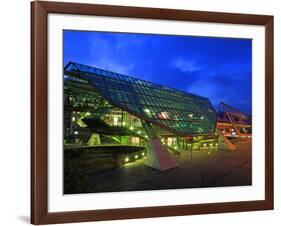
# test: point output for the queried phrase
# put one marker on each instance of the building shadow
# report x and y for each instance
(25, 219)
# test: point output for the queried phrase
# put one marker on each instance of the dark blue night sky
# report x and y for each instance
(217, 68)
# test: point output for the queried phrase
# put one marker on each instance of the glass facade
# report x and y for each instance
(233, 122)
(181, 113)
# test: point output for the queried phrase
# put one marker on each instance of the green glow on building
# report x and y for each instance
(116, 106)
(179, 112)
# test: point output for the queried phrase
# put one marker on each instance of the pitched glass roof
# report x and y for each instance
(226, 111)
(180, 112)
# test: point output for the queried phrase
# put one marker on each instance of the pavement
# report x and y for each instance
(203, 169)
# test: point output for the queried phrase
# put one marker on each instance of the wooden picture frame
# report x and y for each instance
(39, 109)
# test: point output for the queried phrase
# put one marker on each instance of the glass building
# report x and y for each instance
(106, 108)
(233, 122)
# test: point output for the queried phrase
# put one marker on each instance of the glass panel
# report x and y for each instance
(175, 110)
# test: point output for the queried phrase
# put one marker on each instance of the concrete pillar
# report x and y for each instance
(225, 144)
(94, 139)
(157, 156)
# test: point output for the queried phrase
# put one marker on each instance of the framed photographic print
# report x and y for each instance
(148, 112)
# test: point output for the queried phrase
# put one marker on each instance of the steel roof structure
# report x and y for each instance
(179, 112)
(227, 114)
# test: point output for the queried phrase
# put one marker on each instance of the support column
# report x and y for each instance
(157, 157)
(225, 144)
(94, 140)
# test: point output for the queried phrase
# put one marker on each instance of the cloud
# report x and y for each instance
(221, 88)
(114, 66)
(235, 70)
(106, 55)
(185, 65)
(219, 69)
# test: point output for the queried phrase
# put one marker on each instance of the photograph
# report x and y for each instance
(155, 111)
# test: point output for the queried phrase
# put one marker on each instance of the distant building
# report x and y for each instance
(232, 122)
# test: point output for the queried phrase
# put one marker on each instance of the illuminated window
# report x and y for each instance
(115, 121)
(135, 140)
(163, 115)
(174, 109)
(171, 141)
(147, 111)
